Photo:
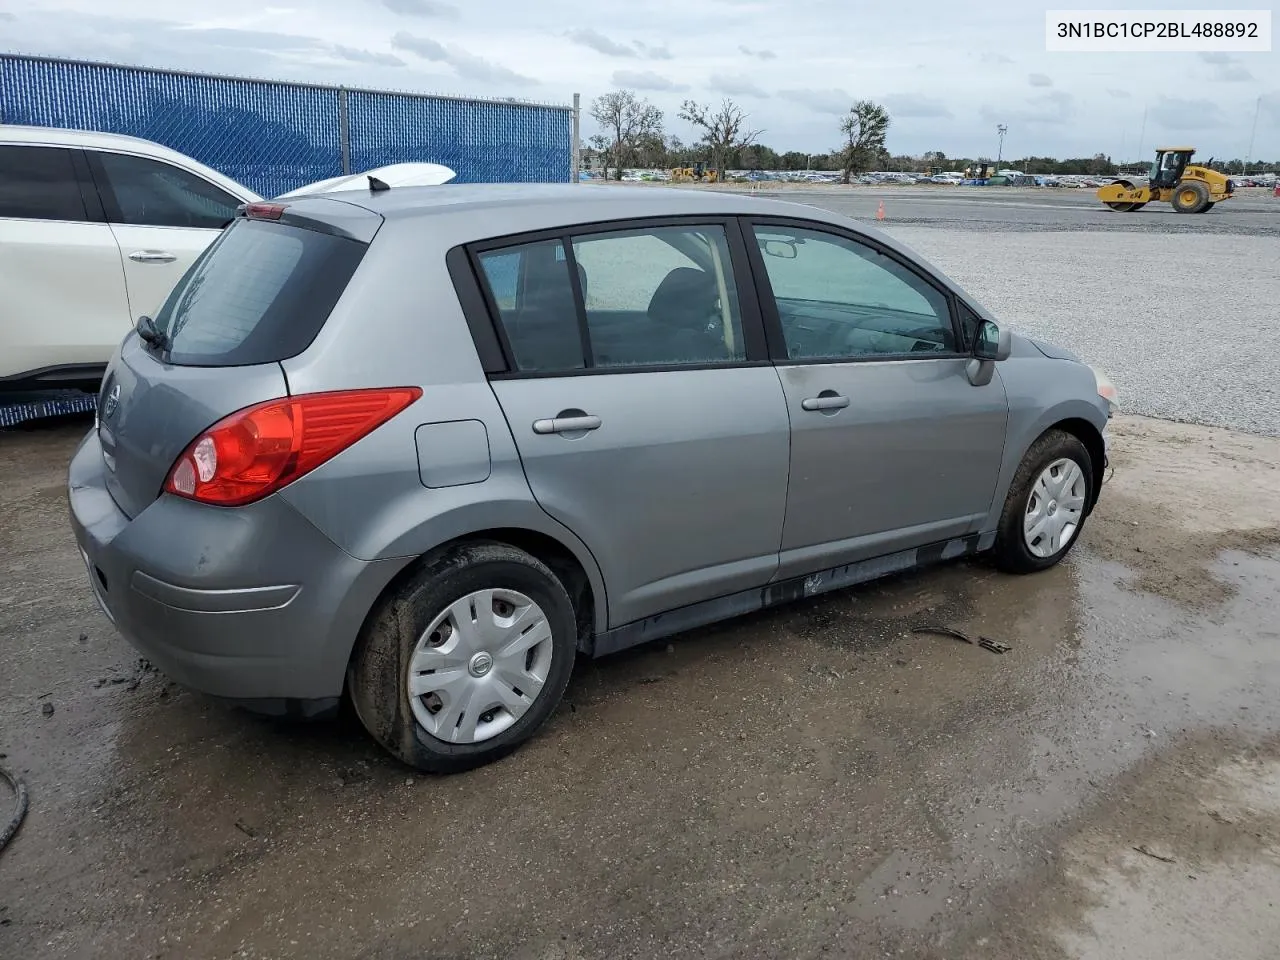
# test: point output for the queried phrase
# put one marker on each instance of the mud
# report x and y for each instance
(814, 781)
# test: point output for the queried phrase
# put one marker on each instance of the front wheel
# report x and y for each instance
(1046, 506)
(466, 659)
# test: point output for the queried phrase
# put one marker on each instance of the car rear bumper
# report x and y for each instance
(252, 603)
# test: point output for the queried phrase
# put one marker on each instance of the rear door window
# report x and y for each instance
(650, 297)
(259, 294)
(39, 183)
(148, 193)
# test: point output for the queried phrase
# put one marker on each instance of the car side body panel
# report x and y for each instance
(64, 295)
(404, 295)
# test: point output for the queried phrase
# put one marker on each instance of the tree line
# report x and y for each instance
(633, 135)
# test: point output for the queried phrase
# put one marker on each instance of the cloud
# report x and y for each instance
(914, 105)
(356, 55)
(597, 41)
(1053, 107)
(594, 40)
(421, 8)
(1174, 113)
(831, 100)
(466, 65)
(1226, 68)
(996, 58)
(1119, 94)
(5, 15)
(761, 54)
(645, 80)
(1040, 80)
(737, 86)
(652, 53)
(247, 39)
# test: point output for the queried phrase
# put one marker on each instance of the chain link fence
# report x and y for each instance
(274, 136)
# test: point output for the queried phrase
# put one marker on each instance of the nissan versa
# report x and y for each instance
(424, 446)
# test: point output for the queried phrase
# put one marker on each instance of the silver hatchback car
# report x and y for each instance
(425, 446)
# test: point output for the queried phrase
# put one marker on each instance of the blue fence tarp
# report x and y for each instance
(274, 136)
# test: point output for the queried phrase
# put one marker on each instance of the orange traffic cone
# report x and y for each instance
(880, 211)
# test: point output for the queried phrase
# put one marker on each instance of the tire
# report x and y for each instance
(1207, 208)
(1012, 553)
(393, 644)
(1190, 196)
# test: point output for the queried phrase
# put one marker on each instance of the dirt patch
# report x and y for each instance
(1163, 512)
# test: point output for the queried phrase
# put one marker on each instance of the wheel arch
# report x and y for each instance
(1076, 416)
(581, 577)
(1091, 437)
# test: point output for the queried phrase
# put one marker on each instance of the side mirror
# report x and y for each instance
(992, 343)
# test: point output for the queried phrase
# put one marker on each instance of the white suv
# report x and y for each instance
(95, 231)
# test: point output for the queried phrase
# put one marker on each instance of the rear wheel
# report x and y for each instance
(465, 660)
(1190, 196)
(1046, 506)
(1207, 208)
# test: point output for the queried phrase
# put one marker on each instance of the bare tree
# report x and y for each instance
(722, 129)
(864, 129)
(628, 120)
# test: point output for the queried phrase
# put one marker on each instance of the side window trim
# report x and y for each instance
(111, 205)
(754, 335)
(769, 306)
(579, 302)
(89, 193)
(473, 298)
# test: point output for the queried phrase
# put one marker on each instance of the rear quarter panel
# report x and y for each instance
(399, 323)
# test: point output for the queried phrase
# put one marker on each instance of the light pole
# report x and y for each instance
(1001, 129)
(1252, 136)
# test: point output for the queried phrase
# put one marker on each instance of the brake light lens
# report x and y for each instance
(264, 211)
(255, 451)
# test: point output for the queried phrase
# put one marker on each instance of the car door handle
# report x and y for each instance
(153, 256)
(825, 403)
(566, 424)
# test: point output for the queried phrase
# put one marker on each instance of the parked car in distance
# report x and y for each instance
(426, 447)
(95, 230)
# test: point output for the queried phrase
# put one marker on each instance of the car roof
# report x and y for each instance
(525, 205)
(17, 133)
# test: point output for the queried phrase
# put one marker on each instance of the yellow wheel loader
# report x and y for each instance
(698, 173)
(1191, 188)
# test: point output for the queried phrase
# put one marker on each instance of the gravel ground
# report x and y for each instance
(1186, 326)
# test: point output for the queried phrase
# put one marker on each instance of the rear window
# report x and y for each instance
(259, 294)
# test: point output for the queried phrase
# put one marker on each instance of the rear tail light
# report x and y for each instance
(256, 451)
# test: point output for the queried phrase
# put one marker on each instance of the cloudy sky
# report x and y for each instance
(948, 72)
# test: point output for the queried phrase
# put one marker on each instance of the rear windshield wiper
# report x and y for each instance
(148, 332)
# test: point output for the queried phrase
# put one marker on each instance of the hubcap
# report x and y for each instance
(1054, 508)
(479, 666)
